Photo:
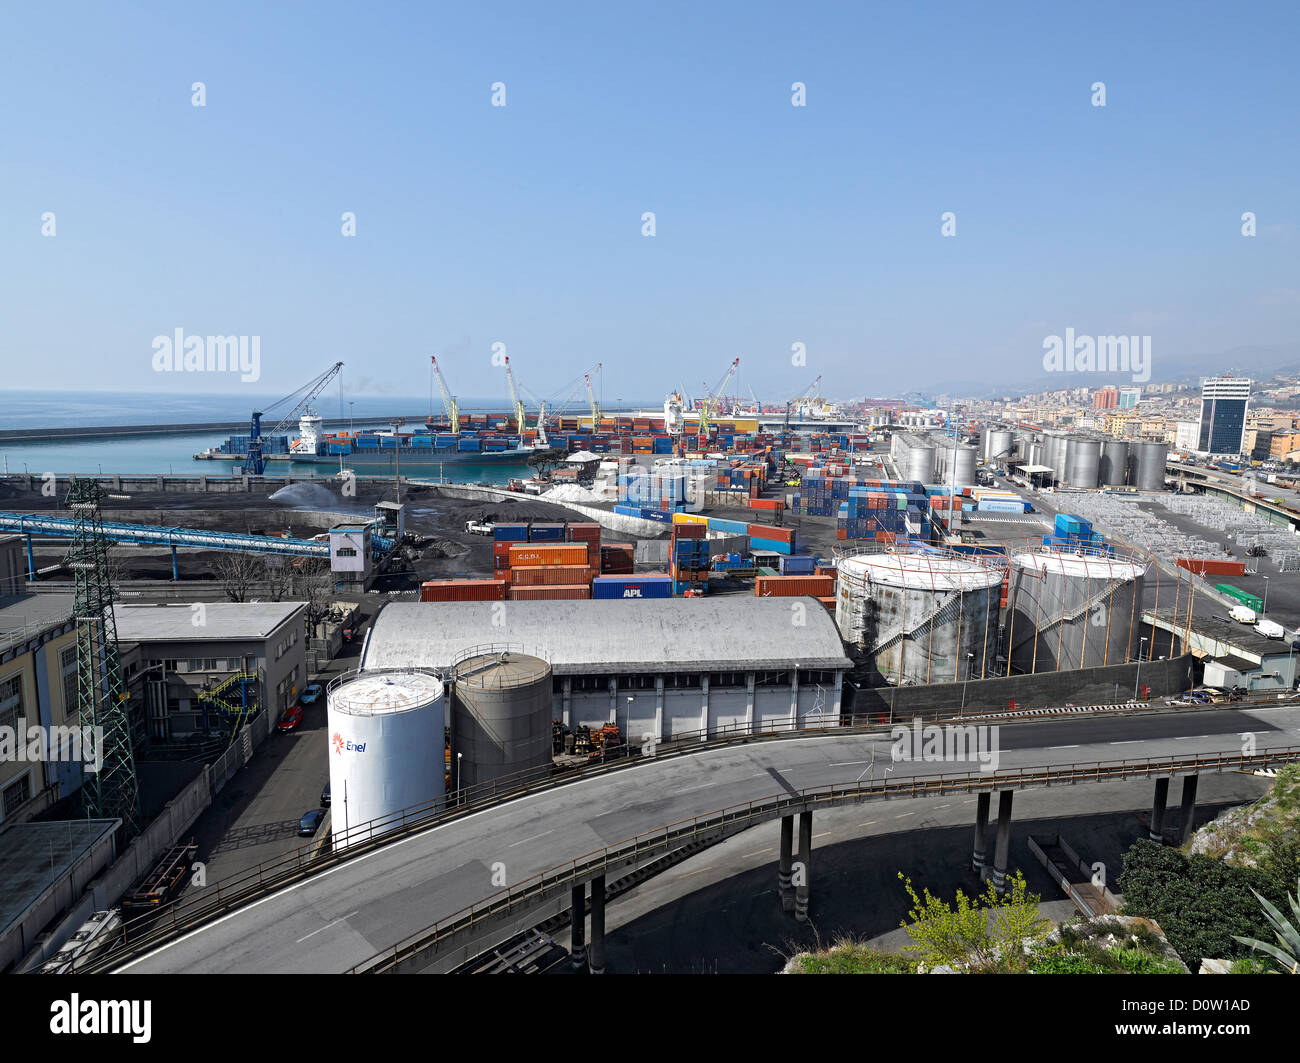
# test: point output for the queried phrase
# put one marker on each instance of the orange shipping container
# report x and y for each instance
(535, 594)
(463, 590)
(793, 586)
(524, 555)
(550, 575)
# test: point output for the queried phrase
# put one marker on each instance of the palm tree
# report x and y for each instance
(1287, 952)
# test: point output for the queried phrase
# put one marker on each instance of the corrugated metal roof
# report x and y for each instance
(614, 637)
(219, 620)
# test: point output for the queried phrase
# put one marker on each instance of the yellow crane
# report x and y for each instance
(448, 402)
(591, 398)
(710, 398)
(514, 399)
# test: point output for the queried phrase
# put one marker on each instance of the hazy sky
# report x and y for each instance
(522, 225)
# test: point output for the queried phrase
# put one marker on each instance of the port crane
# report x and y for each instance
(715, 396)
(254, 463)
(804, 395)
(515, 402)
(448, 401)
(591, 397)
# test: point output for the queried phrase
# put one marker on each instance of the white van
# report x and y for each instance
(1243, 614)
(1270, 629)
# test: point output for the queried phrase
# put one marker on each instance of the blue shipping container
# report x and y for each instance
(510, 533)
(607, 587)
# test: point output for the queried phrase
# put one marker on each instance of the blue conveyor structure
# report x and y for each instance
(29, 524)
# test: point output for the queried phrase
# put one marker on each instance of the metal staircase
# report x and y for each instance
(237, 699)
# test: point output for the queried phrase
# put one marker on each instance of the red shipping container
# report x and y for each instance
(585, 532)
(463, 590)
(689, 531)
(522, 556)
(550, 575)
(539, 594)
(1202, 566)
(764, 531)
(793, 586)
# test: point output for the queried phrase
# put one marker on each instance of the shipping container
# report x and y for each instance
(463, 590)
(546, 532)
(793, 586)
(627, 586)
(537, 594)
(770, 534)
(797, 565)
(550, 575)
(548, 554)
(510, 533)
(1204, 566)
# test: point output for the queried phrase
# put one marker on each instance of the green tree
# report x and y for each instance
(982, 933)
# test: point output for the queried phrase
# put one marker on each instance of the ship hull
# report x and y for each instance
(408, 457)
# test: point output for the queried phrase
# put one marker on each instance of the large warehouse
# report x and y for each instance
(665, 668)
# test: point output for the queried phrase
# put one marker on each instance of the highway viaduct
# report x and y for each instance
(428, 901)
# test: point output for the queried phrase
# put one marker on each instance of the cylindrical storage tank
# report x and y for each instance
(1084, 462)
(920, 463)
(1001, 445)
(1068, 611)
(922, 617)
(501, 713)
(386, 751)
(1114, 463)
(1151, 459)
(1060, 444)
(965, 474)
(1034, 453)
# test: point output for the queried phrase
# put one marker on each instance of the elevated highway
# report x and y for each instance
(427, 900)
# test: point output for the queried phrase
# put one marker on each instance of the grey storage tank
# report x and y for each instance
(1083, 462)
(1150, 459)
(920, 463)
(965, 475)
(501, 712)
(1114, 463)
(1069, 611)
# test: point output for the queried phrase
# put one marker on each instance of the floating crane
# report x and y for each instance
(807, 393)
(591, 397)
(448, 402)
(254, 465)
(715, 396)
(515, 402)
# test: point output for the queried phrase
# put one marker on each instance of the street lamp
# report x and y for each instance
(350, 405)
(1138, 676)
(970, 657)
(1264, 608)
(458, 756)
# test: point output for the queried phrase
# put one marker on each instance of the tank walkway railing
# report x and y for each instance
(416, 952)
(184, 915)
(941, 613)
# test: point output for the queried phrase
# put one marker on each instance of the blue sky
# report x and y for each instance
(522, 224)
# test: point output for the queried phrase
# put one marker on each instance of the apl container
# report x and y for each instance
(650, 586)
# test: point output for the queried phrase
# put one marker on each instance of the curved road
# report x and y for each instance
(344, 916)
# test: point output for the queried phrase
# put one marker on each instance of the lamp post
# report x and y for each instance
(1264, 608)
(970, 658)
(1138, 676)
(458, 756)
(350, 405)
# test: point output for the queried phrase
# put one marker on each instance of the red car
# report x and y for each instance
(290, 720)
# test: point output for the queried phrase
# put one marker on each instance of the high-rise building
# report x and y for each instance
(1129, 398)
(1106, 398)
(1224, 402)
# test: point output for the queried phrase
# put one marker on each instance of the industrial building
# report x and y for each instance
(1085, 460)
(172, 655)
(656, 668)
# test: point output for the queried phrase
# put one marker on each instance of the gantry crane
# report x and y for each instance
(515, 403)
(448, 402)
(807, 393)
(715, 396)
(591, 398)
(254, 464)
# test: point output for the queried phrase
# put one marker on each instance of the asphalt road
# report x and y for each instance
(342, 917)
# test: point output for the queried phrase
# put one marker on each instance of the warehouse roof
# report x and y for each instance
(613, 637)
(216, 620)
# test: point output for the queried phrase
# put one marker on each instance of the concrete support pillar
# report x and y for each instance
(1156, 834)
(176, 572)
(794, 699)
(613, 700)
(596, 957)
(704, 707)
(750, 727)
(803, 873)
(659, 709)
(566, 698)
(983, 802)
(1002, 844)
(784, 881)
(1188, 810)
(31, 561)
(837, 695)
(578, 926)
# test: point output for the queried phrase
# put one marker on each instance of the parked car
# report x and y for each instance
(290, 720)
(1199, 697)
(310, 693)
(310, 822)
(325, 796)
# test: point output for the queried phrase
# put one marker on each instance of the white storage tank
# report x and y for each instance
(923, 617)
(1069, 611)
(386, 750)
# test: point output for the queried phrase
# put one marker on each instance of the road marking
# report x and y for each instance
(823, 834)
(699, 872)
(1189, 738)
(846, 763)
(532, 839)
(943, 806)
(1129, 742)
(869, 823)
(904, 815)
(1075, 746)
(757, 852)
(325, 927)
